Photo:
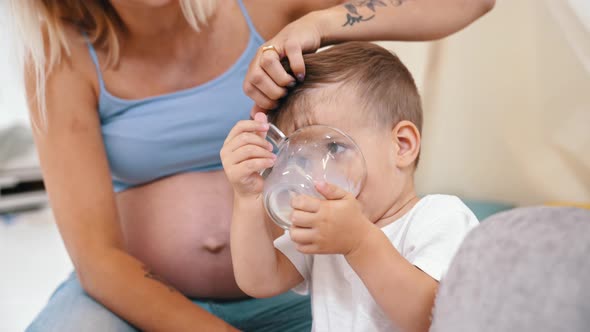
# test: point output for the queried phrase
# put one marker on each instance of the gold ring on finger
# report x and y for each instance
(270, 48)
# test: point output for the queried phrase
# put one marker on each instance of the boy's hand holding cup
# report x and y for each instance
(245, 153)
(335, 225)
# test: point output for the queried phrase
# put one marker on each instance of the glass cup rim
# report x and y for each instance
(343, 133)
(277, 219)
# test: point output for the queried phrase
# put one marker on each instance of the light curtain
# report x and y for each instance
(507, 105)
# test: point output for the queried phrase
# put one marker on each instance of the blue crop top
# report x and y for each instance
(147, 139)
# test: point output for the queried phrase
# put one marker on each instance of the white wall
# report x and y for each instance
(12, 102)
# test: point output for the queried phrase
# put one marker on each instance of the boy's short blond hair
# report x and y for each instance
(383, 84)
(380, 80)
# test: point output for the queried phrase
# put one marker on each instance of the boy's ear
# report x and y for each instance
(407, 141)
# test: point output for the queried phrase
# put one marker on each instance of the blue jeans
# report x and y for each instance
(71, 309)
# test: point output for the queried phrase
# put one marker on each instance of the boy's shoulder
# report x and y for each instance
(439, 203)
(434, 231)
(442, 211)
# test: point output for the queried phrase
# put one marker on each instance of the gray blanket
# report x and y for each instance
(522, 270)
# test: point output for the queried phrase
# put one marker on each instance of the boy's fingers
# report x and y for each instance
(308, 249)
(246, 126)
(257, 109)
(249, 152)
(305, 203)
(330, 191)
(254, 165)
(302, 219)
(260, 117)
(301, 235)
(245, 139)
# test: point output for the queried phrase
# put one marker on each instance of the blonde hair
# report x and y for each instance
(42, 43)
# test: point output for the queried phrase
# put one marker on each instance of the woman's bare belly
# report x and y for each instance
(179, 227)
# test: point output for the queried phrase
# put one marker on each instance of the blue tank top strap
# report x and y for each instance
(185, 129)
(253, 30)
(94, 57)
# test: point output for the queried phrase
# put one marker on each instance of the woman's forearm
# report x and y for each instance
(128, 288)
(405, 293)
(397, 19)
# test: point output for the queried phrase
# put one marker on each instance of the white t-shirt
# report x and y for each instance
(427, 236)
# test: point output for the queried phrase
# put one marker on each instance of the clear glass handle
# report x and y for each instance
(276, 137)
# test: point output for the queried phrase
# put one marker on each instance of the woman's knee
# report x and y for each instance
(71, 309)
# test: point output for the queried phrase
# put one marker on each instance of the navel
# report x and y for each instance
(214, 245)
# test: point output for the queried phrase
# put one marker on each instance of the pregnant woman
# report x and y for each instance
(131, 101)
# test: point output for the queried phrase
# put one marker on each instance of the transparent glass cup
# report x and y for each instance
(311, 154)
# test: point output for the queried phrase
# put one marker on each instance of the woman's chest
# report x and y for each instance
(179, 60)
(156, 137)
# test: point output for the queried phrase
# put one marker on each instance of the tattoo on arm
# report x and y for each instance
(149, 274)
(354, 16)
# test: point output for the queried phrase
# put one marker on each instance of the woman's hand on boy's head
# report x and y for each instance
(267, 79)
(336, 225)
(245, 153)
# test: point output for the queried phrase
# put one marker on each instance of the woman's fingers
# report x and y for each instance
(299, 37)
(267, 80)
(260, 98)
(271, 64)
(295, 55)
(267, 86)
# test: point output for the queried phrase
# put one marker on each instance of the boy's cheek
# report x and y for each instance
(364, 200)
(373, 198)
